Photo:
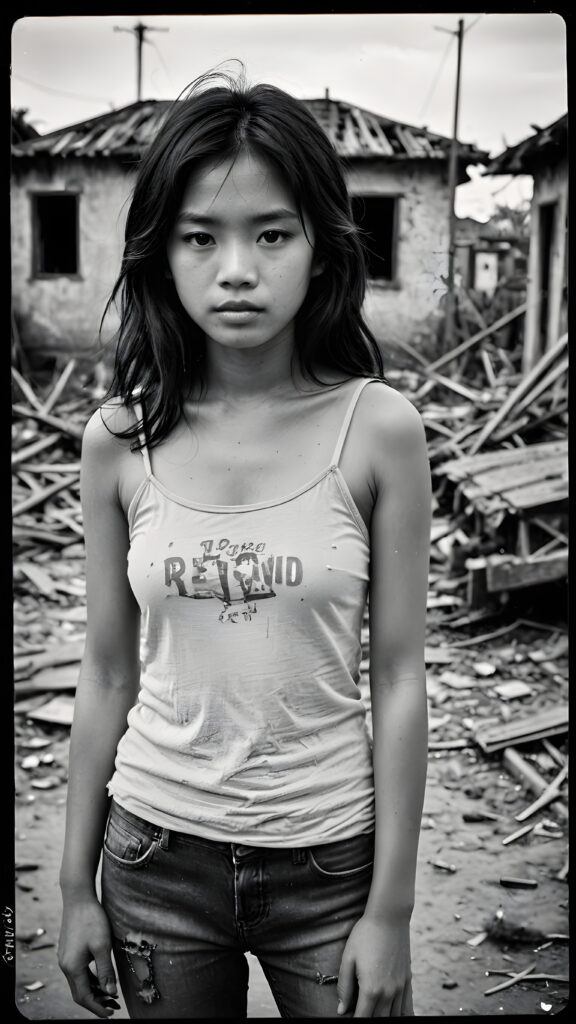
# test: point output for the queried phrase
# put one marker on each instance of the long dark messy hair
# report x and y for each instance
(159, 349)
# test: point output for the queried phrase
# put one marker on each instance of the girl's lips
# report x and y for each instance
(238, 316)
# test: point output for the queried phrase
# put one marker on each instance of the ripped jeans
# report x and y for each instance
(184, 910)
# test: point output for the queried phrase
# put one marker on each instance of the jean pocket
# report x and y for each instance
(128, 845)
(348, 858)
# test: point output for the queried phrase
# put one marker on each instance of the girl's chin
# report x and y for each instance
(237, 340)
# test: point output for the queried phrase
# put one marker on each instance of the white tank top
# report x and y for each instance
(249, 725)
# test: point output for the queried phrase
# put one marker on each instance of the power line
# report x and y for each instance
(436, 78)
(163, 63)
(475, 22)
(61, 92)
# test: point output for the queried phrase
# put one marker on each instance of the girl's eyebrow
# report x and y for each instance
(282, 213)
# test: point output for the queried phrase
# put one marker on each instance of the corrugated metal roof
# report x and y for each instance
(354, 132)
(547, 146)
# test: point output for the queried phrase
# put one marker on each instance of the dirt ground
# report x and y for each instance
(469, 809)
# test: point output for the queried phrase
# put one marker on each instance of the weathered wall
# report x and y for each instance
(63, 312)
(402, 310)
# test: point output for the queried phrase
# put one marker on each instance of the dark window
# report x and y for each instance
(377, 215)
(55, 233)
(547, 218)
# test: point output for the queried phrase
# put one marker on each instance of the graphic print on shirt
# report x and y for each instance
(237, 574)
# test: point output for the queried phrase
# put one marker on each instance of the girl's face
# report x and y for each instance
(238, 254)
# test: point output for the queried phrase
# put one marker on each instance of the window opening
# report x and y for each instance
(55, 233)
(377, 216)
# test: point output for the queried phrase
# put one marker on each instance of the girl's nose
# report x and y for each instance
(237, 266)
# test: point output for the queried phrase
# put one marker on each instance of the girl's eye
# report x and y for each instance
(199, 238)
(273, 236)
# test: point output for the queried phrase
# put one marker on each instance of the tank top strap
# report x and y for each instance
(139, 413)
(346, 423)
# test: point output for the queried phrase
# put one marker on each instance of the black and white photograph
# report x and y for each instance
(289, 515)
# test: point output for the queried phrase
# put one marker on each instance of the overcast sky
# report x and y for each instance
(513, 74)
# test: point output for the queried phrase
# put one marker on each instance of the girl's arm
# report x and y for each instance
(107, 689)
(377, 956)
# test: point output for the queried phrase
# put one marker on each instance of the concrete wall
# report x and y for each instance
(63, 313)
(403, 309)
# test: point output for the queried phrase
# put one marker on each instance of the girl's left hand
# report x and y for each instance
(376, 968)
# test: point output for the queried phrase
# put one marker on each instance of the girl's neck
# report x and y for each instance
(250, 373)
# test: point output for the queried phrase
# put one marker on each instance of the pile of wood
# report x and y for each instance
(498, 450)
(45, 464)
(48, 542)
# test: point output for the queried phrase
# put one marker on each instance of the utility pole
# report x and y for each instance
(139, 31)
(452, 179)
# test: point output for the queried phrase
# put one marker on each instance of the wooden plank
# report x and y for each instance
(68, 520)
(59, 386)
(54, 467)
(59, 710)
(547, 796)
(458, 469)
(550, 722)
(52, 421)
(530, 495)
(32, 484)
(545, 492)
(31, 450)
(26, 390)
(511, 981)
(515, 502)
(58, 654)
(476, 589)
(498, 480)
(38, 576)
(522, 389)
(473, 395)
(523, 770)
(28, 535)
(542, 385)
(484, 333)
(508, 572)
(39, 499)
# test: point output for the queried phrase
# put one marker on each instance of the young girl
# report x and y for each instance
(251, 483)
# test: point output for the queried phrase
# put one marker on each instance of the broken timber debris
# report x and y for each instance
(499, 459)
(550, 722)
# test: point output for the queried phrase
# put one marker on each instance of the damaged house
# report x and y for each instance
(545, 157)
(69, 197)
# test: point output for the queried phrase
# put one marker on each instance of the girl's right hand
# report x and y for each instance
(85, 937)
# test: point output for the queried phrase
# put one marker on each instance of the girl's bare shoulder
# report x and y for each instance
(389, 418)
(102, 448)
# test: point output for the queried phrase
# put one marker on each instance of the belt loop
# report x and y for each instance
(299, 855)
(164, 838)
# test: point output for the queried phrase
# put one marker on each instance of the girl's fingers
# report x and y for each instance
(105, 977)
(86, 992)
(346, 984)
(396, 1006)
(407, 1008)
(366, 1006)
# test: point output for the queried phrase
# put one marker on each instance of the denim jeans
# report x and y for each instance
(184, 910)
